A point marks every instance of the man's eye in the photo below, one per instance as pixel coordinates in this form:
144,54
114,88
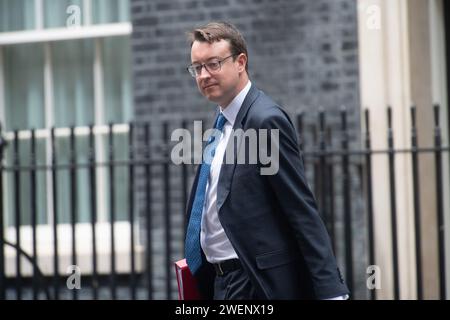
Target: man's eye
213,65
198,68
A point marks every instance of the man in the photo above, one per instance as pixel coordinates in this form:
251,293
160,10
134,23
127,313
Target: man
252,236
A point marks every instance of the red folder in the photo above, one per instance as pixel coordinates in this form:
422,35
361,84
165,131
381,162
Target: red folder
187,286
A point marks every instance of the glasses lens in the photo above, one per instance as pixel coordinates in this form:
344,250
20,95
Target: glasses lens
213,65
192,70
198,69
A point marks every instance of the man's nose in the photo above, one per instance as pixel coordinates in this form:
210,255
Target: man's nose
204,73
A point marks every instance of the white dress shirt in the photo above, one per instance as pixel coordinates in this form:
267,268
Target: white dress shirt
214,241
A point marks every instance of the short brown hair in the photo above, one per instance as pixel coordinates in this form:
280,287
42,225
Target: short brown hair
216,31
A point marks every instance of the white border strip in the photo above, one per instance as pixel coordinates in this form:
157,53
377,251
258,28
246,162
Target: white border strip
61,34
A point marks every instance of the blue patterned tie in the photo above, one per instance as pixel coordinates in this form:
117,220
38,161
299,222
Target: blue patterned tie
192,245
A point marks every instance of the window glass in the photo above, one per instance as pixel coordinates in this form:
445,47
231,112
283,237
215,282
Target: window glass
73,84
117,79
16,15
110,11
24,88
58,13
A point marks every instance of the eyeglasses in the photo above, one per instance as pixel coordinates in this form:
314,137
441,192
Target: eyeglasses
213,66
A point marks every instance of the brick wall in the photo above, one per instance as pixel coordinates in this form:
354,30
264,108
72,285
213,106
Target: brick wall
302,53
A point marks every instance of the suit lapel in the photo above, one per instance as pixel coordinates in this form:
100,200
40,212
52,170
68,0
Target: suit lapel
227,170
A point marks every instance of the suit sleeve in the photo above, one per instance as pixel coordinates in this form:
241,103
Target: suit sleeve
298,205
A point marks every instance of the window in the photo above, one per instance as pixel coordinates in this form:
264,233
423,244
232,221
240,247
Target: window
61,83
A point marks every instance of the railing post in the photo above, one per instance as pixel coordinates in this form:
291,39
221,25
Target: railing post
73,201
93,204
112,209
391,160
439,202
18,208
300,130
167,207
148,212
184,178
131,210
323,208
416,192
55,216
346,185
3,144
33,186
369,197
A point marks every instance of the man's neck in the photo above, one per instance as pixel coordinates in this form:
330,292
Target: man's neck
242,83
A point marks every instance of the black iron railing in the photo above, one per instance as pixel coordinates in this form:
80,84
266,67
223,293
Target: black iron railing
332,173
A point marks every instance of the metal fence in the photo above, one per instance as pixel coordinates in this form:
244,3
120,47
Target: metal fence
333,164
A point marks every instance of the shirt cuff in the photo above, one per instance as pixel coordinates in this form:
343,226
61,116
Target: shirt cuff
344,297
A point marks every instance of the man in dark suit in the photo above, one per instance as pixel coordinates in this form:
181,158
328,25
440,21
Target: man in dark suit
252,235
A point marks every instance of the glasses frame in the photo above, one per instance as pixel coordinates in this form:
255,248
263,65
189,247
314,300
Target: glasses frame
194,73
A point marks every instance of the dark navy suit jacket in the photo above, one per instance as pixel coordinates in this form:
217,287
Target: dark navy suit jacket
272,221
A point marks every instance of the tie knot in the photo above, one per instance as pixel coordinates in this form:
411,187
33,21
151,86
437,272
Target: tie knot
220,122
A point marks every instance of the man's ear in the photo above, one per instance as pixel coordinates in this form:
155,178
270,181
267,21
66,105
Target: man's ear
242,61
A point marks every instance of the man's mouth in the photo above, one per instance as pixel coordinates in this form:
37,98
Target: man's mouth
209,86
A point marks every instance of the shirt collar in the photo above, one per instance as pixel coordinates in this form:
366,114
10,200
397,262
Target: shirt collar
231,111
